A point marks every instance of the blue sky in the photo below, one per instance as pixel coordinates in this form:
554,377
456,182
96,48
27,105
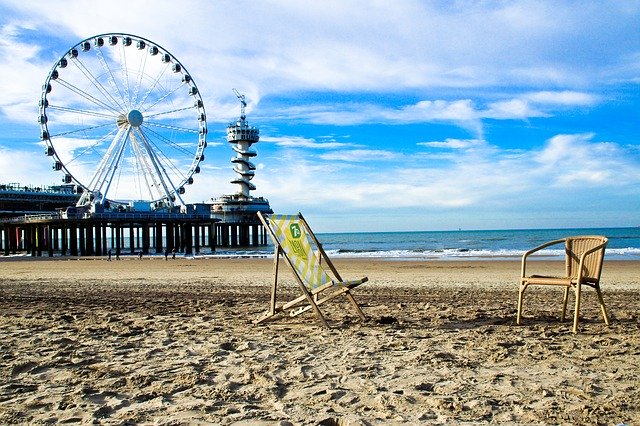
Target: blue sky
379,115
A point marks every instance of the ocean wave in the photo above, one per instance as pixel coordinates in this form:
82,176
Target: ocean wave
628,253
463,253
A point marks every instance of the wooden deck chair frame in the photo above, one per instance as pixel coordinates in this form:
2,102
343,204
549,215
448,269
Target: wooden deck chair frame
311,298
584,256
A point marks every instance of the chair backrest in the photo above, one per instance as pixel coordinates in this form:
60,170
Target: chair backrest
293,238
592,266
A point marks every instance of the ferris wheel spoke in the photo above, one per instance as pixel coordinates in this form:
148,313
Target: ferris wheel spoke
125,73
143,166
87,96
83,112
170,143
95,82
160,172
163,162
91,147
161,155
105,171
140,76
170,127
111,80
153,86
112,161
161,98
81,130
171,111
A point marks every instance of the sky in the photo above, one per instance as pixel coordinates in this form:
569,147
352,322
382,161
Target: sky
379,115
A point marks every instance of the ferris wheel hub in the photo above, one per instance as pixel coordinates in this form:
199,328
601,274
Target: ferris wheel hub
135,118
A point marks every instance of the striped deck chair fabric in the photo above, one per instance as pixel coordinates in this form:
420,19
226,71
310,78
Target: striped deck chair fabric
297,244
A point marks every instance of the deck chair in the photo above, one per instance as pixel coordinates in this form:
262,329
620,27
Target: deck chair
584,256
297,244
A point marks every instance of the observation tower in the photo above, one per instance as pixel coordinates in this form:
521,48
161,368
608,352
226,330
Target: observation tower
242,136
239,224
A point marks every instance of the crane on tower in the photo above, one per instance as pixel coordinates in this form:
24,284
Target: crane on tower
243,103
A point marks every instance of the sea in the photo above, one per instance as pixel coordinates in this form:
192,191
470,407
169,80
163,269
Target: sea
624,244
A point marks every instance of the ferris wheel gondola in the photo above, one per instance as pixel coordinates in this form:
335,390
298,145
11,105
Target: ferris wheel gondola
124,120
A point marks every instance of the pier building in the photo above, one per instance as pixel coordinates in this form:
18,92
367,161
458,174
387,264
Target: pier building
18,200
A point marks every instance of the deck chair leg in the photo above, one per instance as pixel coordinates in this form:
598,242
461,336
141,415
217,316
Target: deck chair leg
317,311
603,308
276,258
312,303
520,300
355,306
576,314
564,303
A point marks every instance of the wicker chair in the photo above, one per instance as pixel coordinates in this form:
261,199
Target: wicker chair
583,264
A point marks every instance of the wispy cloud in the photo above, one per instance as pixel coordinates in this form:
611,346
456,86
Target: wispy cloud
564,98
302,142
360,155
454,144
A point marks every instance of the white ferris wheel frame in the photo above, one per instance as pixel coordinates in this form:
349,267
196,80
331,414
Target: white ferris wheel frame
120,115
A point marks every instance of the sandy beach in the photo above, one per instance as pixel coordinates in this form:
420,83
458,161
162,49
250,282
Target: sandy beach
172,342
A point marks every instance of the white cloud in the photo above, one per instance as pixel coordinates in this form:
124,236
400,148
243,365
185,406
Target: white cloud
511,109
302,142
360,155
21,75
26,167
343,114
575,160
565,98
454,144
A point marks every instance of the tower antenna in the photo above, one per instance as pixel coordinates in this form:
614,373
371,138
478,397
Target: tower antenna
243,103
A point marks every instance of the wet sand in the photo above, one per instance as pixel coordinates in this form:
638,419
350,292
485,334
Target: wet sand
172,342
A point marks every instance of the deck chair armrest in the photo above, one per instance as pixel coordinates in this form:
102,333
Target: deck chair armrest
352,283
335,284
535,249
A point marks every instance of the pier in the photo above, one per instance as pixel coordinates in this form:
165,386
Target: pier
124,233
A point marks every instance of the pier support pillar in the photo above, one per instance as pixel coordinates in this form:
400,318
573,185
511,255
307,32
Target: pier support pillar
64,246
158,237
145,238
98,239
132,238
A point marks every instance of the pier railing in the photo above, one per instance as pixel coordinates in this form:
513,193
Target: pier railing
108,216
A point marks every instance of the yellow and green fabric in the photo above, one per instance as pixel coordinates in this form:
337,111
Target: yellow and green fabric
297,245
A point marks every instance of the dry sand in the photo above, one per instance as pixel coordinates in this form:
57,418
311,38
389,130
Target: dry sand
171,342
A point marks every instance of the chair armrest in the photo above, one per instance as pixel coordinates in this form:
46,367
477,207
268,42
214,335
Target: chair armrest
533,250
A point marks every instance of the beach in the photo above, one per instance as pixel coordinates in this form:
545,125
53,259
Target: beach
157,341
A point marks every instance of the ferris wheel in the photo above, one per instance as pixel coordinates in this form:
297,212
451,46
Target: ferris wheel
123,119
